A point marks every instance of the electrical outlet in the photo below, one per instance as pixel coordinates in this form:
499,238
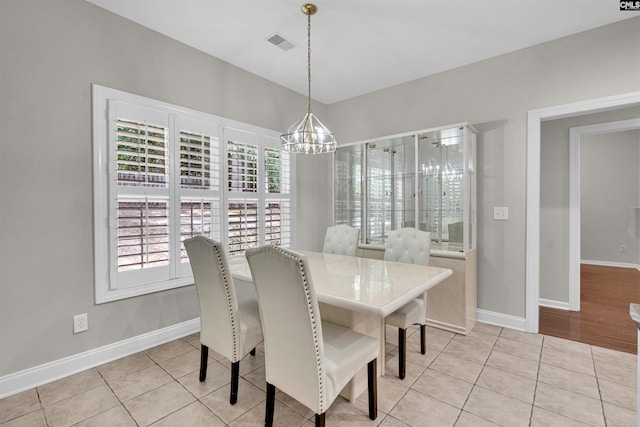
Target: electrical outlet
623,248
500,214
80,323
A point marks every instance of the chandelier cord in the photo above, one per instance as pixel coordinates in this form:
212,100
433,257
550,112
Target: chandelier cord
309,61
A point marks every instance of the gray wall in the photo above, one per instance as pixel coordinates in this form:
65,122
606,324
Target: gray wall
609,185
50,54
495,95
554,198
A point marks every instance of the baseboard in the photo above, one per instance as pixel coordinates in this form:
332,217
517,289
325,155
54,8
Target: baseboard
499,319
51,371
560,305
610,264
446,326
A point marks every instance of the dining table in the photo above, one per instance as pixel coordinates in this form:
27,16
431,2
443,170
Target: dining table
359,293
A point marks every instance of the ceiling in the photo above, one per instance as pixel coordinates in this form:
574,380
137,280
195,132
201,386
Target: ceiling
360,46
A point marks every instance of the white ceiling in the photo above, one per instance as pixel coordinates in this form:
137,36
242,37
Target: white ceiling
359,46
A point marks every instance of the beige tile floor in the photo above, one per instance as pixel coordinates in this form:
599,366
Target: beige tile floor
493,376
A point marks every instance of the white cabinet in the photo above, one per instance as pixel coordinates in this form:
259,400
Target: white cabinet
451,305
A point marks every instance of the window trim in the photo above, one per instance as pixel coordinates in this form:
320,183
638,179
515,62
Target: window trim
103,189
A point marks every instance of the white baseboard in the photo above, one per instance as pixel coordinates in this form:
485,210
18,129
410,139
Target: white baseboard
499,319
446,327
51,371
560,305
610,264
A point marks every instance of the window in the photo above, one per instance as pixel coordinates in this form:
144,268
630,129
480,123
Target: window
259,212
159,179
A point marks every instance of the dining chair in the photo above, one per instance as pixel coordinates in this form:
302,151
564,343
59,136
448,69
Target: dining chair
411,246
456,231
306,358
341,240
229,325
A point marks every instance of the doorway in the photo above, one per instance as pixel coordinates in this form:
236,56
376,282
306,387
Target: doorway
589,178
609,147
535,117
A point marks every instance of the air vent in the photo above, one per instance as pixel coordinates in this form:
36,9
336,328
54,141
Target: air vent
281,42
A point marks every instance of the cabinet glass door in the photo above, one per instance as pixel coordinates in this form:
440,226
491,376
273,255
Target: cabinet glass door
441,166
390,180
348,186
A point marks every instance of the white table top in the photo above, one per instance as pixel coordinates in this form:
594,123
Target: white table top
361,284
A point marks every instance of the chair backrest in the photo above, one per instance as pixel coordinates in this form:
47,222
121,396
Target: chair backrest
456,231
220,327
341,240
292,331
408,245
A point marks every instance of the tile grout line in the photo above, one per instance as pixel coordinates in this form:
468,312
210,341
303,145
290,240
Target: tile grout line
593,361
175,380
388,414
535,388
475,384
44,413
117,398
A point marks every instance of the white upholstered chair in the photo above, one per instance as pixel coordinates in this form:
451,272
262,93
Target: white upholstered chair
411,246
306,358
229,326
456,231
341,240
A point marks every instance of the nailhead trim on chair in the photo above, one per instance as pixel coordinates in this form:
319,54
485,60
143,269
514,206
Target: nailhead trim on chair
314,326
225,278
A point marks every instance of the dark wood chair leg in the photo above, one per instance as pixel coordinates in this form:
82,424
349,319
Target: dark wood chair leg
402,349
204,355
253,352
423,339
235,377
372,383
271,401
320,420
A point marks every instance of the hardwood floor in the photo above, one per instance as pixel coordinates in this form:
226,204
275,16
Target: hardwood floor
603,319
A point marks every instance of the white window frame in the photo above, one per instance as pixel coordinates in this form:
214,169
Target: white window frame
105,189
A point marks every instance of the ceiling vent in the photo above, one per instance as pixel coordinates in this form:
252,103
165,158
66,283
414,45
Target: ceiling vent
281,42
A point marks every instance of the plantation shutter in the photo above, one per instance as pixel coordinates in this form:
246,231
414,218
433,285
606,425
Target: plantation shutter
242,167
140,205
243,226
277,193
243,207
199,171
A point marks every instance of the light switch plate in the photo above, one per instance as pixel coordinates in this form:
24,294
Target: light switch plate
500,213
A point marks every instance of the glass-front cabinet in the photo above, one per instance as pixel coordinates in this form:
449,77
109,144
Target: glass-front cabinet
447,186
375,186
424,179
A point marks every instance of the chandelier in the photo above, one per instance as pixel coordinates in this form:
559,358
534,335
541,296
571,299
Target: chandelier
308,135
